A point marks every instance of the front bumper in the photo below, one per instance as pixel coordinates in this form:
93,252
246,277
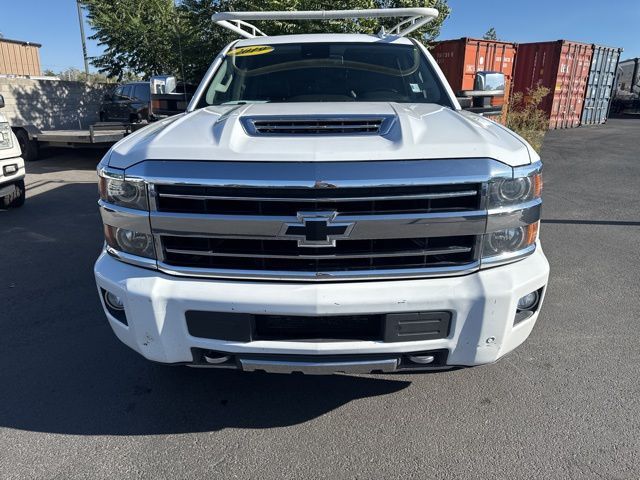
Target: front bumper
483,307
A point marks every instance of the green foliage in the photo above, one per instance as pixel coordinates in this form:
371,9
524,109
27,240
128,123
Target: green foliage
139,36
526,118
491,34
146,36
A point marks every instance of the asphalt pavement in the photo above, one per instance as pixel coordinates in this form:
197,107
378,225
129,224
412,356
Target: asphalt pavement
75,403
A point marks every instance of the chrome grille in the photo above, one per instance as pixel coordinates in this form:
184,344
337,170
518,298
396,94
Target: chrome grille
287,125
347,255
346,201
319,221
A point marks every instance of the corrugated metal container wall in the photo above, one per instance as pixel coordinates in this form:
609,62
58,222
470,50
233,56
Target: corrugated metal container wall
19,58
563,67
460,60
602,76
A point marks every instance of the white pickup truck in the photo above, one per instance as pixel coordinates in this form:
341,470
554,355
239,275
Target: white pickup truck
324,205
12,172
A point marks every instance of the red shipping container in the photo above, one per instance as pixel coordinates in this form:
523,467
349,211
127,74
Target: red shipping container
561,66
460,60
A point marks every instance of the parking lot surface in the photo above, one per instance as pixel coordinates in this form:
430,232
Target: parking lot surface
75,403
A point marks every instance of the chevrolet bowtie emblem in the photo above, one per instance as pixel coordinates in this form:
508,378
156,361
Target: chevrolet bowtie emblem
316,229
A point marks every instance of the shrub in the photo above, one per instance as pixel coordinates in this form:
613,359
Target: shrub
525,118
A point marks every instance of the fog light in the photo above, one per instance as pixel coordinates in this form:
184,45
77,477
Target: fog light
529,301
113,301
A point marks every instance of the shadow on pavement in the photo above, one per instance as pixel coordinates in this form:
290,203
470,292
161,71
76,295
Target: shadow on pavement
64,159
63,371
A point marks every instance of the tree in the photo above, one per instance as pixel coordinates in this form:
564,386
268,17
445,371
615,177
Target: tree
491,34
150,37
139,36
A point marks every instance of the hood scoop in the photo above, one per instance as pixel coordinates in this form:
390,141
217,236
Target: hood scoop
318,125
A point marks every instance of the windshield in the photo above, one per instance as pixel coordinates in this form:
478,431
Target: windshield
325,72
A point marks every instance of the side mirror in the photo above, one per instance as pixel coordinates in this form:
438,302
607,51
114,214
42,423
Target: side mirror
1,101
489,81
163,84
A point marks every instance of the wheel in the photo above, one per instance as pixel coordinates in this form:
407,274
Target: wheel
15,199
29,147
104,117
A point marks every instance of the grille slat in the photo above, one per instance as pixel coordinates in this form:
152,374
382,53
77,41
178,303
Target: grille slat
289,201
241,251
427,196
401,253
205,252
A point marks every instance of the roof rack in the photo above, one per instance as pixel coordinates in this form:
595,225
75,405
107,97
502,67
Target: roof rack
414,18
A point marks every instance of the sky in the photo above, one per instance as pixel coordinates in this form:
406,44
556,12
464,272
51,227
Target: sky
54,24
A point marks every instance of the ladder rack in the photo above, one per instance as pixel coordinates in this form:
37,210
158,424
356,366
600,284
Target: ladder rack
413,18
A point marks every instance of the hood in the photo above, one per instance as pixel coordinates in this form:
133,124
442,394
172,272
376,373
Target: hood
418,131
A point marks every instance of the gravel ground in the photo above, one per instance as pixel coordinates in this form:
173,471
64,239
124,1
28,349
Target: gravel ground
75,403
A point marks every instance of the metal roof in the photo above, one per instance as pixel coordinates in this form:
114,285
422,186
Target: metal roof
20,42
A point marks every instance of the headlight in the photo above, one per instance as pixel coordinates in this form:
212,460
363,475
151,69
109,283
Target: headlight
125,193
5,136
505,192
128,241
510,240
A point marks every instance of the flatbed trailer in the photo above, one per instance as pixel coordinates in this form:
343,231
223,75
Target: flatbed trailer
165,101
72,138
98,135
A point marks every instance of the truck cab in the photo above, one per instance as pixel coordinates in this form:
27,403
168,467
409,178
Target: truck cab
324,205
12,171
128,102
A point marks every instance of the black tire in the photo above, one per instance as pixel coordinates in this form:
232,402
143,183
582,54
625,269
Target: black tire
30,150
103,117
15,199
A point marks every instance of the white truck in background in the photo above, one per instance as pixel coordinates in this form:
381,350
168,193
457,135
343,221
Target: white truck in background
12,172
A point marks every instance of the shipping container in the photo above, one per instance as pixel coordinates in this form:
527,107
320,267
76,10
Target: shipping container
602,76
563,67
460,59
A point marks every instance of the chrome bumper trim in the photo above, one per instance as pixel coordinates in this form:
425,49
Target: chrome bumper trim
354,275
132,259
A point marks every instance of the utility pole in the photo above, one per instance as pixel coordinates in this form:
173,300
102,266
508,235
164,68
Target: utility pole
84,41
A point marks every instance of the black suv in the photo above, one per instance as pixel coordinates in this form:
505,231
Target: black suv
127,103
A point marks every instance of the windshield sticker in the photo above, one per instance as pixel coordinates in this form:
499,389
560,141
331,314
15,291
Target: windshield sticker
248,51
415,88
